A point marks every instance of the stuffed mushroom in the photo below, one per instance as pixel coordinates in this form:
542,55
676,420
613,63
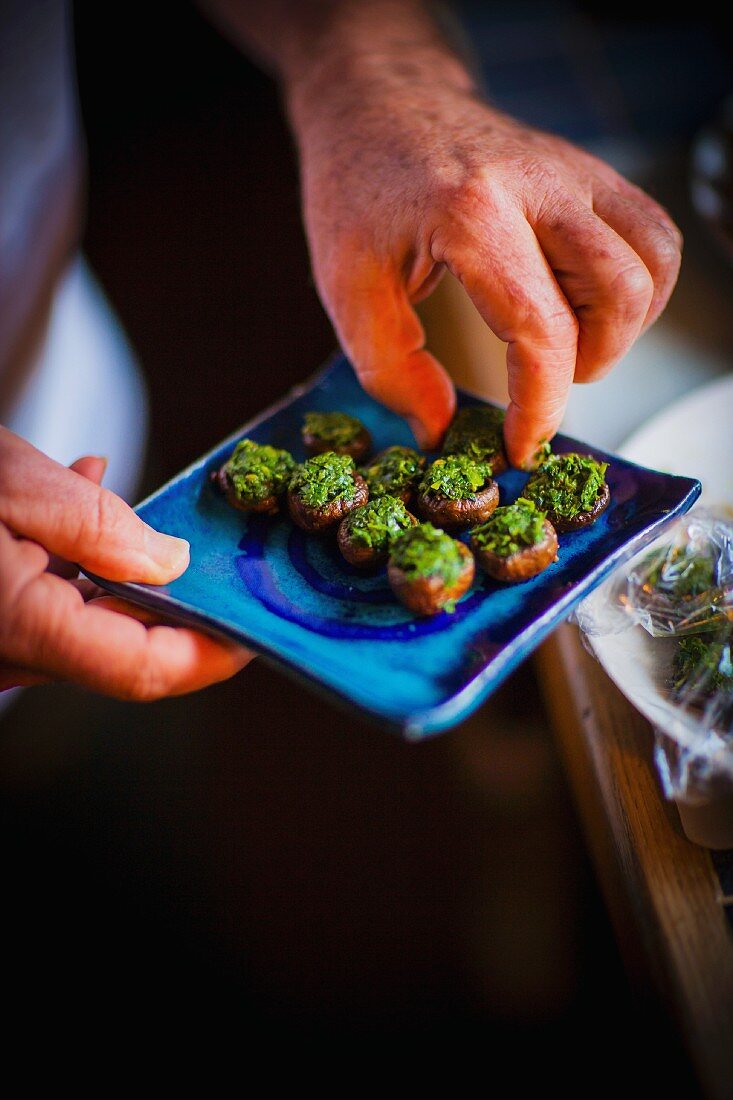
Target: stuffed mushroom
395,472
255,476
478,432
457,491
571,489
337,432
516,542
428,570
323,490
365,535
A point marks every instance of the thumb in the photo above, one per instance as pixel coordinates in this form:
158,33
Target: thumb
384,340
75,519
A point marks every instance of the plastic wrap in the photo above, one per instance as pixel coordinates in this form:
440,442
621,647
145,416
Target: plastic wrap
685,586
663,629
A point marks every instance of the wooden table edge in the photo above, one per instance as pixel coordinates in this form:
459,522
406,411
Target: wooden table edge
660,888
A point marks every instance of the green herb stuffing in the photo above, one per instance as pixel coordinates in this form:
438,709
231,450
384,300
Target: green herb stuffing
425,551
323,479
477,431
542,453
680,572
376,523
335,428
257,471
565,485
456,476
394,471
702,667
511,528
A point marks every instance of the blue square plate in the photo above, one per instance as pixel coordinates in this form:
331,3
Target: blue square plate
293,598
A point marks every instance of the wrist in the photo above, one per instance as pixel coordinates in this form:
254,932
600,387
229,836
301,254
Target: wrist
368,53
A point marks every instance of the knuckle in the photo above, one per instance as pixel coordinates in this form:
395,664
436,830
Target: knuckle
440,243
477,197
385,384
561,325
46,621
632,287
38,619
478,190
26,562
369,378
534,395
473,219
669,230
152,675
553,328
668,251
666,237
100,522
32,558
146,684
538,179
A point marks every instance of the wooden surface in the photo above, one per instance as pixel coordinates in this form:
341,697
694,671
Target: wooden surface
660,888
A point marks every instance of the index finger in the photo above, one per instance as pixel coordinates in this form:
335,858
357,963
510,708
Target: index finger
511,284
79,521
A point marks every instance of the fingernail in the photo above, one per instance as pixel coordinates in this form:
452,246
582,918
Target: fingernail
422,436
528,464
536,457
167,551
98,468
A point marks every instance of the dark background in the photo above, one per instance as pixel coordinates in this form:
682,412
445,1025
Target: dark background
251,862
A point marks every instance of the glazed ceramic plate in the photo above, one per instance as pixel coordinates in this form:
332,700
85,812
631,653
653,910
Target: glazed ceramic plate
293,598
693,434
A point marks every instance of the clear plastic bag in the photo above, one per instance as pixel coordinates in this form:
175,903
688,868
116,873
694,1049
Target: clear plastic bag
685,586
663,629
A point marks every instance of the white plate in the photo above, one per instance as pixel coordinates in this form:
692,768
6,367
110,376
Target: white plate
694,437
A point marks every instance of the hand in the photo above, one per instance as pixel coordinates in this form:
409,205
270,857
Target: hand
406,172
51,517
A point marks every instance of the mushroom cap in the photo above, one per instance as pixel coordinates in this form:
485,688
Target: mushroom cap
363,557
456,514
428,595
522,564
220,480
582,519
358,448
407,493
319,519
